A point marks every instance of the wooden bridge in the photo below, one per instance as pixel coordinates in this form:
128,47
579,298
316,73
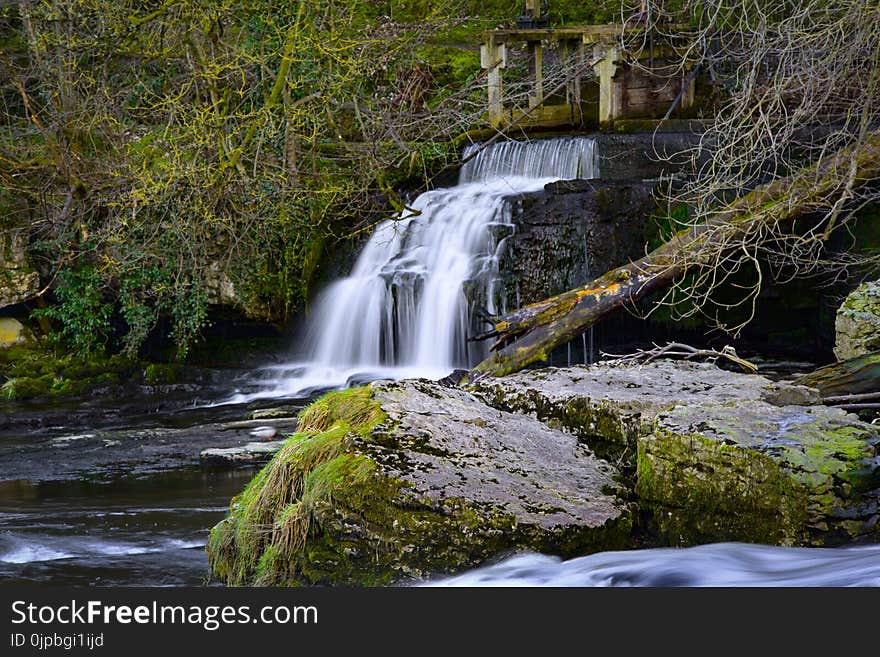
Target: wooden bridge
598,85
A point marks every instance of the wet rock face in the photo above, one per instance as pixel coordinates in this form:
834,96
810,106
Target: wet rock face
18,282
435,482
646,155
248,454
716,455
571,232
857,325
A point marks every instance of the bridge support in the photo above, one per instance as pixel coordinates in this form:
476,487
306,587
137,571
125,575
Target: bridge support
610,100
493,58
620,90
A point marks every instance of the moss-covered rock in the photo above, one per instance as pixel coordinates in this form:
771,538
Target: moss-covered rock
402,480
35,370
715,455
788,475
857,325
157,373
609,406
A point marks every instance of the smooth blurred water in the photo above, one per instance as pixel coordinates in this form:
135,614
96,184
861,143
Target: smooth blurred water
145,531
408,306
720,564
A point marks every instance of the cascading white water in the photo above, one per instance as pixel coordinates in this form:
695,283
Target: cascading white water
719,564
408,305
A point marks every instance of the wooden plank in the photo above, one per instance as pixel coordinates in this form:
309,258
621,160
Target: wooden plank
554,34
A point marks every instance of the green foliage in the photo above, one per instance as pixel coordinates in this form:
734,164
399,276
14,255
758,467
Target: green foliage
143,297
82,310
191,141
189,314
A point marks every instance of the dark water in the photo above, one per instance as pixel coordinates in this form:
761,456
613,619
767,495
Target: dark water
109,490
140,530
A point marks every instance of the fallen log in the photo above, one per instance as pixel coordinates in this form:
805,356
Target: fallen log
528,334
853,380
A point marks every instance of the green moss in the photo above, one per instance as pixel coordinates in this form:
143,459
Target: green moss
797,488
701,490
36,370
834,463
156,373
263,538
323,511
27,387
609,433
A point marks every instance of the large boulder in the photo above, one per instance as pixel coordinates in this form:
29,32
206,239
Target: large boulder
398,481
857,324
785,475
716,455
610,406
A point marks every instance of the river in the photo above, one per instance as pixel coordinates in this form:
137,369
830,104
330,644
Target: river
109,491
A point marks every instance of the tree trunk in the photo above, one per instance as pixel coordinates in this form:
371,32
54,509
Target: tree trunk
854,379
540,327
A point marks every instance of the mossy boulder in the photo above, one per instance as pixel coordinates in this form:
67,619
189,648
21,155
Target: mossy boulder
399,481
33,369
610,405
785,475
857,325
715,455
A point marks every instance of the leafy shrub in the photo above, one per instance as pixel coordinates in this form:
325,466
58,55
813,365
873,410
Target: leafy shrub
82,311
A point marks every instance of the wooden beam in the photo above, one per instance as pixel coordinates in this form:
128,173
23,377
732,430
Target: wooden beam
606,69
493,58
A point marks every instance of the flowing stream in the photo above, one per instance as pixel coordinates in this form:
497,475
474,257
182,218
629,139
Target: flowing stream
109,490
718,564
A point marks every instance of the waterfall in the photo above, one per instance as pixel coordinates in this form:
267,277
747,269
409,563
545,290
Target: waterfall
407,308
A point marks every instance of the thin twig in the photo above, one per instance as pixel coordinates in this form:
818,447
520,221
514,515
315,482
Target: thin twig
685,351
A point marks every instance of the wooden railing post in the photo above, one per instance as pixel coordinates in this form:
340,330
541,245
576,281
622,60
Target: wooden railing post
609,101
493,58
